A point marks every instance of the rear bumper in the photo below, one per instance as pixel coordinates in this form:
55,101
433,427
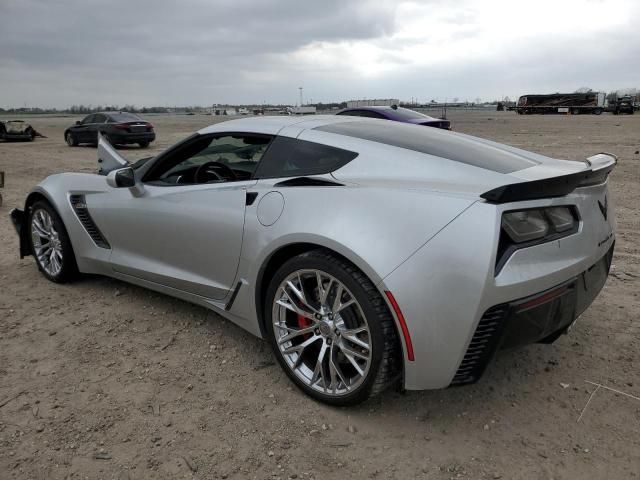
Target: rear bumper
446,287
542,317
17,136
124,138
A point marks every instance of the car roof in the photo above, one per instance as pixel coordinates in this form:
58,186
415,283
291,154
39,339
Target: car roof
273,124
372,107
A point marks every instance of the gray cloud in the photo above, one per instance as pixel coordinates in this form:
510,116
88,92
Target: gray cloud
163,52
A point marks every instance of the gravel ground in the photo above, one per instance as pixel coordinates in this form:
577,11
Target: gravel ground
100,379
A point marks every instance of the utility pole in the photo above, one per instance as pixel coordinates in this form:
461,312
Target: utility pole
300,88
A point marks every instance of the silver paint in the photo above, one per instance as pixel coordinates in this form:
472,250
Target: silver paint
413,223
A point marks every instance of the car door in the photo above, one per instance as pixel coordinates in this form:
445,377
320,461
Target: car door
96,125
183,232
82,131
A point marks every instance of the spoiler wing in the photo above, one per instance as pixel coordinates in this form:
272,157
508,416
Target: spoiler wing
600,165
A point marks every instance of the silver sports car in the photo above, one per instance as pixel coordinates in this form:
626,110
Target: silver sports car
368,253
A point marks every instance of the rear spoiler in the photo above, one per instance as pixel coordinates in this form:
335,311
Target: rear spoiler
600,165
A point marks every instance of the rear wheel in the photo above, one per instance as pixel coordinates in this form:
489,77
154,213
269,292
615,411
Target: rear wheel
50,244
597,111
71,139
331,330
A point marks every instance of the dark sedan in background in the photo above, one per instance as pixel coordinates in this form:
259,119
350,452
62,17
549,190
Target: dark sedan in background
120,128
397,114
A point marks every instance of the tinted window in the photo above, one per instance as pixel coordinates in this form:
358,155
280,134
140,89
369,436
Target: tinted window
372,114
351,113
99,118
434,141
288,157
362,113
88,119
406,114
124,117
231,157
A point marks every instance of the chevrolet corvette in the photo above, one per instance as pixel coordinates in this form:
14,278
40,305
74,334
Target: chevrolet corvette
367,253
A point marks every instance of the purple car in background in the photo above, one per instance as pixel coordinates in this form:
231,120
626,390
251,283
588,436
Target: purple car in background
397,114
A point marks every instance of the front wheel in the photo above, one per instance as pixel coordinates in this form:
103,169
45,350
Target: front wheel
71,139
50,244
331,330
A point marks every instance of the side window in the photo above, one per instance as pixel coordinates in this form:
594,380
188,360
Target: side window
288,157
352,113
211,159
370,114
99,118
88,119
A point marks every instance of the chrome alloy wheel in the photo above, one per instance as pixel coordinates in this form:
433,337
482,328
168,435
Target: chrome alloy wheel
46,243
321,332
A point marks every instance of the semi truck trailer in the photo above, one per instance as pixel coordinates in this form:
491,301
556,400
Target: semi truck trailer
573,103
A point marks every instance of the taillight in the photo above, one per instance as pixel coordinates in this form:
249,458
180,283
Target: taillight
536,223
121,126
149,127
532,226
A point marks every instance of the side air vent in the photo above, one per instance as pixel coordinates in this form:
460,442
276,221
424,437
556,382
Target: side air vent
482,346
80,207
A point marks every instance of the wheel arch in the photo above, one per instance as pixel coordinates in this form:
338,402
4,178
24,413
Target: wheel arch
280,255
33,197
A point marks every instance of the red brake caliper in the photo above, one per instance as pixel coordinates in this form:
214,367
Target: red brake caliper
303,322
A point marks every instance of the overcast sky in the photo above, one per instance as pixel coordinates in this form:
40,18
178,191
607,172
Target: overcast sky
165,53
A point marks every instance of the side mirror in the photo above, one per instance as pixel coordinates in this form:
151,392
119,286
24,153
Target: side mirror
77,122
122,178
125,178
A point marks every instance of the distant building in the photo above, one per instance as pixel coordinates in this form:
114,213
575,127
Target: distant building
374,102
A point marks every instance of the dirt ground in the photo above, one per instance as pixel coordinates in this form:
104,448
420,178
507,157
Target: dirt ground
103,380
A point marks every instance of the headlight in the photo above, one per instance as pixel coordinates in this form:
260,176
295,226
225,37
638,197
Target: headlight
528,225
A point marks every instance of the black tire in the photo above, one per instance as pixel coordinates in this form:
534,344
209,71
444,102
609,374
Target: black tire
71,139
597,111
385,368
143,144
575,111
69,270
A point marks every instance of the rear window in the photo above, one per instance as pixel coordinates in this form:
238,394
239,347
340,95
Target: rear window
288,157
434,141
406,114
124,117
